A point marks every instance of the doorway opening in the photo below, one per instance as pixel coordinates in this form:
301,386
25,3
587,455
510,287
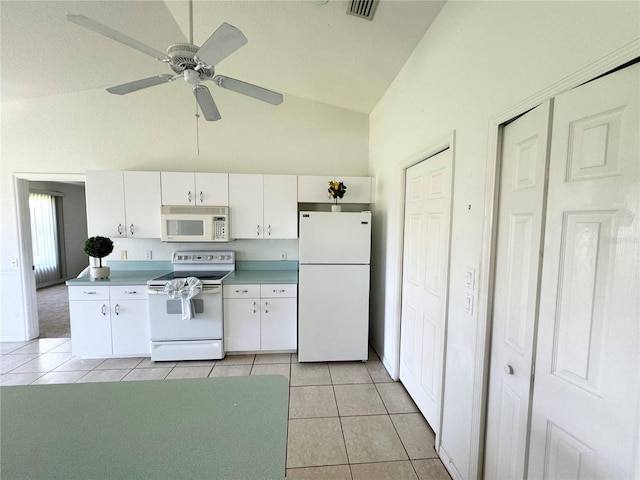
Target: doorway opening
52,230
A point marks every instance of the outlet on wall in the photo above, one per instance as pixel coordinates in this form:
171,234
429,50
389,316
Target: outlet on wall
123,254
283,255
147,255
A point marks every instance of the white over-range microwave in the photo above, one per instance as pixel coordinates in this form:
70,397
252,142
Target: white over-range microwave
195,224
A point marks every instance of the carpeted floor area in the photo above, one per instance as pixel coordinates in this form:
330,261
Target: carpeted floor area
53,312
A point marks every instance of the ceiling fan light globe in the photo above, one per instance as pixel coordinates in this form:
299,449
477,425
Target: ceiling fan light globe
192,77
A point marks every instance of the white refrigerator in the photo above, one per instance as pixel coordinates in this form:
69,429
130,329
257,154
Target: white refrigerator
333,296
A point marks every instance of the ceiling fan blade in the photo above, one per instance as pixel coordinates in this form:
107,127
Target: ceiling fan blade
222,43
248,89
97,27
139,84
206,103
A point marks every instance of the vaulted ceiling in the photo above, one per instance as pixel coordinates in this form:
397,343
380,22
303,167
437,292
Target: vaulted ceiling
307,48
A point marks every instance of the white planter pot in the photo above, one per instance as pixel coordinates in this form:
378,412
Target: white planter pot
100,273
336,208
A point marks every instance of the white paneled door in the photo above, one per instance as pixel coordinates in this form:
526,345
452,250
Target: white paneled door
585,418
425,282
515,304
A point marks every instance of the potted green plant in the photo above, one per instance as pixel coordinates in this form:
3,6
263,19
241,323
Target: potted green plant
98,247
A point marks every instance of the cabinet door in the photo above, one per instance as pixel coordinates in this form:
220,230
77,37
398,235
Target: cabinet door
241,324
130,327
105,204
212,189
178,188
142,204
278,328
280,206
90,328
314,189
245,206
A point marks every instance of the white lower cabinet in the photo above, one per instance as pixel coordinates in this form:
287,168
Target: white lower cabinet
260,317
109,321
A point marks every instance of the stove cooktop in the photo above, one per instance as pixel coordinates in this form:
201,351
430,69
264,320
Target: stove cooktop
202,275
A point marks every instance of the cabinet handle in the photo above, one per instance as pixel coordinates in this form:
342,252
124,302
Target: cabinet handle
131,292
269,230
279,291
90,293
104,309
254,307
117,309
131,228
242,291
119,229
258,230
189,197
201,197
266,307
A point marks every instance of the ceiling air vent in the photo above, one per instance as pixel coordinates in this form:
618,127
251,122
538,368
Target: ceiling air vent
362,8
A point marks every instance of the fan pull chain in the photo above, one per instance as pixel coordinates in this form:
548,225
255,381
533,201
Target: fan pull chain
197,131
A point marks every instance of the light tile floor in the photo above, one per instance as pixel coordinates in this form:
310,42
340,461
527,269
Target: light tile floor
347,420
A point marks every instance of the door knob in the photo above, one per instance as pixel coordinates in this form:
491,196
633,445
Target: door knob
508,369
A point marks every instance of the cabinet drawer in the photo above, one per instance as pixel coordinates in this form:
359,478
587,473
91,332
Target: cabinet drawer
89,292
278,290
128,292
241,291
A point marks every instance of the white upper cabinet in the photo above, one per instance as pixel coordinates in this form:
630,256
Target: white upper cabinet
263,206
314,189
142,204
280,206
123,204
245,205
188,188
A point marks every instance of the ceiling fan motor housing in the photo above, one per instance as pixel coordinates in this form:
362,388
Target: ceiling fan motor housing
182,59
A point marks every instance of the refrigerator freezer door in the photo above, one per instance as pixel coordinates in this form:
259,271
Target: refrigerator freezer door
332,237
333,313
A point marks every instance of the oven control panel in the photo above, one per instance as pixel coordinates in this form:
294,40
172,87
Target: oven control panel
202,257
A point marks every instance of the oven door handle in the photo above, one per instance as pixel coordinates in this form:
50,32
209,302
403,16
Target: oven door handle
210,290
206,290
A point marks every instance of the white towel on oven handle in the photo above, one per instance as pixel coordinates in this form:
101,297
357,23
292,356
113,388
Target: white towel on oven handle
184,289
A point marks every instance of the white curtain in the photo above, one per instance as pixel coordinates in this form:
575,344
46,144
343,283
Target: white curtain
44,237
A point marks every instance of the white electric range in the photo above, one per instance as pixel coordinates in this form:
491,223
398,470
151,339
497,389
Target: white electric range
199,337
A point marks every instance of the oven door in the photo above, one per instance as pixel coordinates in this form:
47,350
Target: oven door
165,315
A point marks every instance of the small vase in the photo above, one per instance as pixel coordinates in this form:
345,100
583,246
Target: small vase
100,273
336,208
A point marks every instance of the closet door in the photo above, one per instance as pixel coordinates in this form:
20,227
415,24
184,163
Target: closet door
425,281
586,392
515,304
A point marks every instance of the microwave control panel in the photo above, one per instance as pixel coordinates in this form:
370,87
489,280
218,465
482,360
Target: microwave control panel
220,232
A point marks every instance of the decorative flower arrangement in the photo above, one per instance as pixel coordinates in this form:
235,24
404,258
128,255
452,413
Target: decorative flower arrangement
337,190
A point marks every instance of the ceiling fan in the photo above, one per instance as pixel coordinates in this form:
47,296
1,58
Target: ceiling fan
194,64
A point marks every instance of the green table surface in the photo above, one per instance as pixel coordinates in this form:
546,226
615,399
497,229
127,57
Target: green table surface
213,428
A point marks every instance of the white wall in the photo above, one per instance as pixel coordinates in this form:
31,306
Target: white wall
477,59
155,129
